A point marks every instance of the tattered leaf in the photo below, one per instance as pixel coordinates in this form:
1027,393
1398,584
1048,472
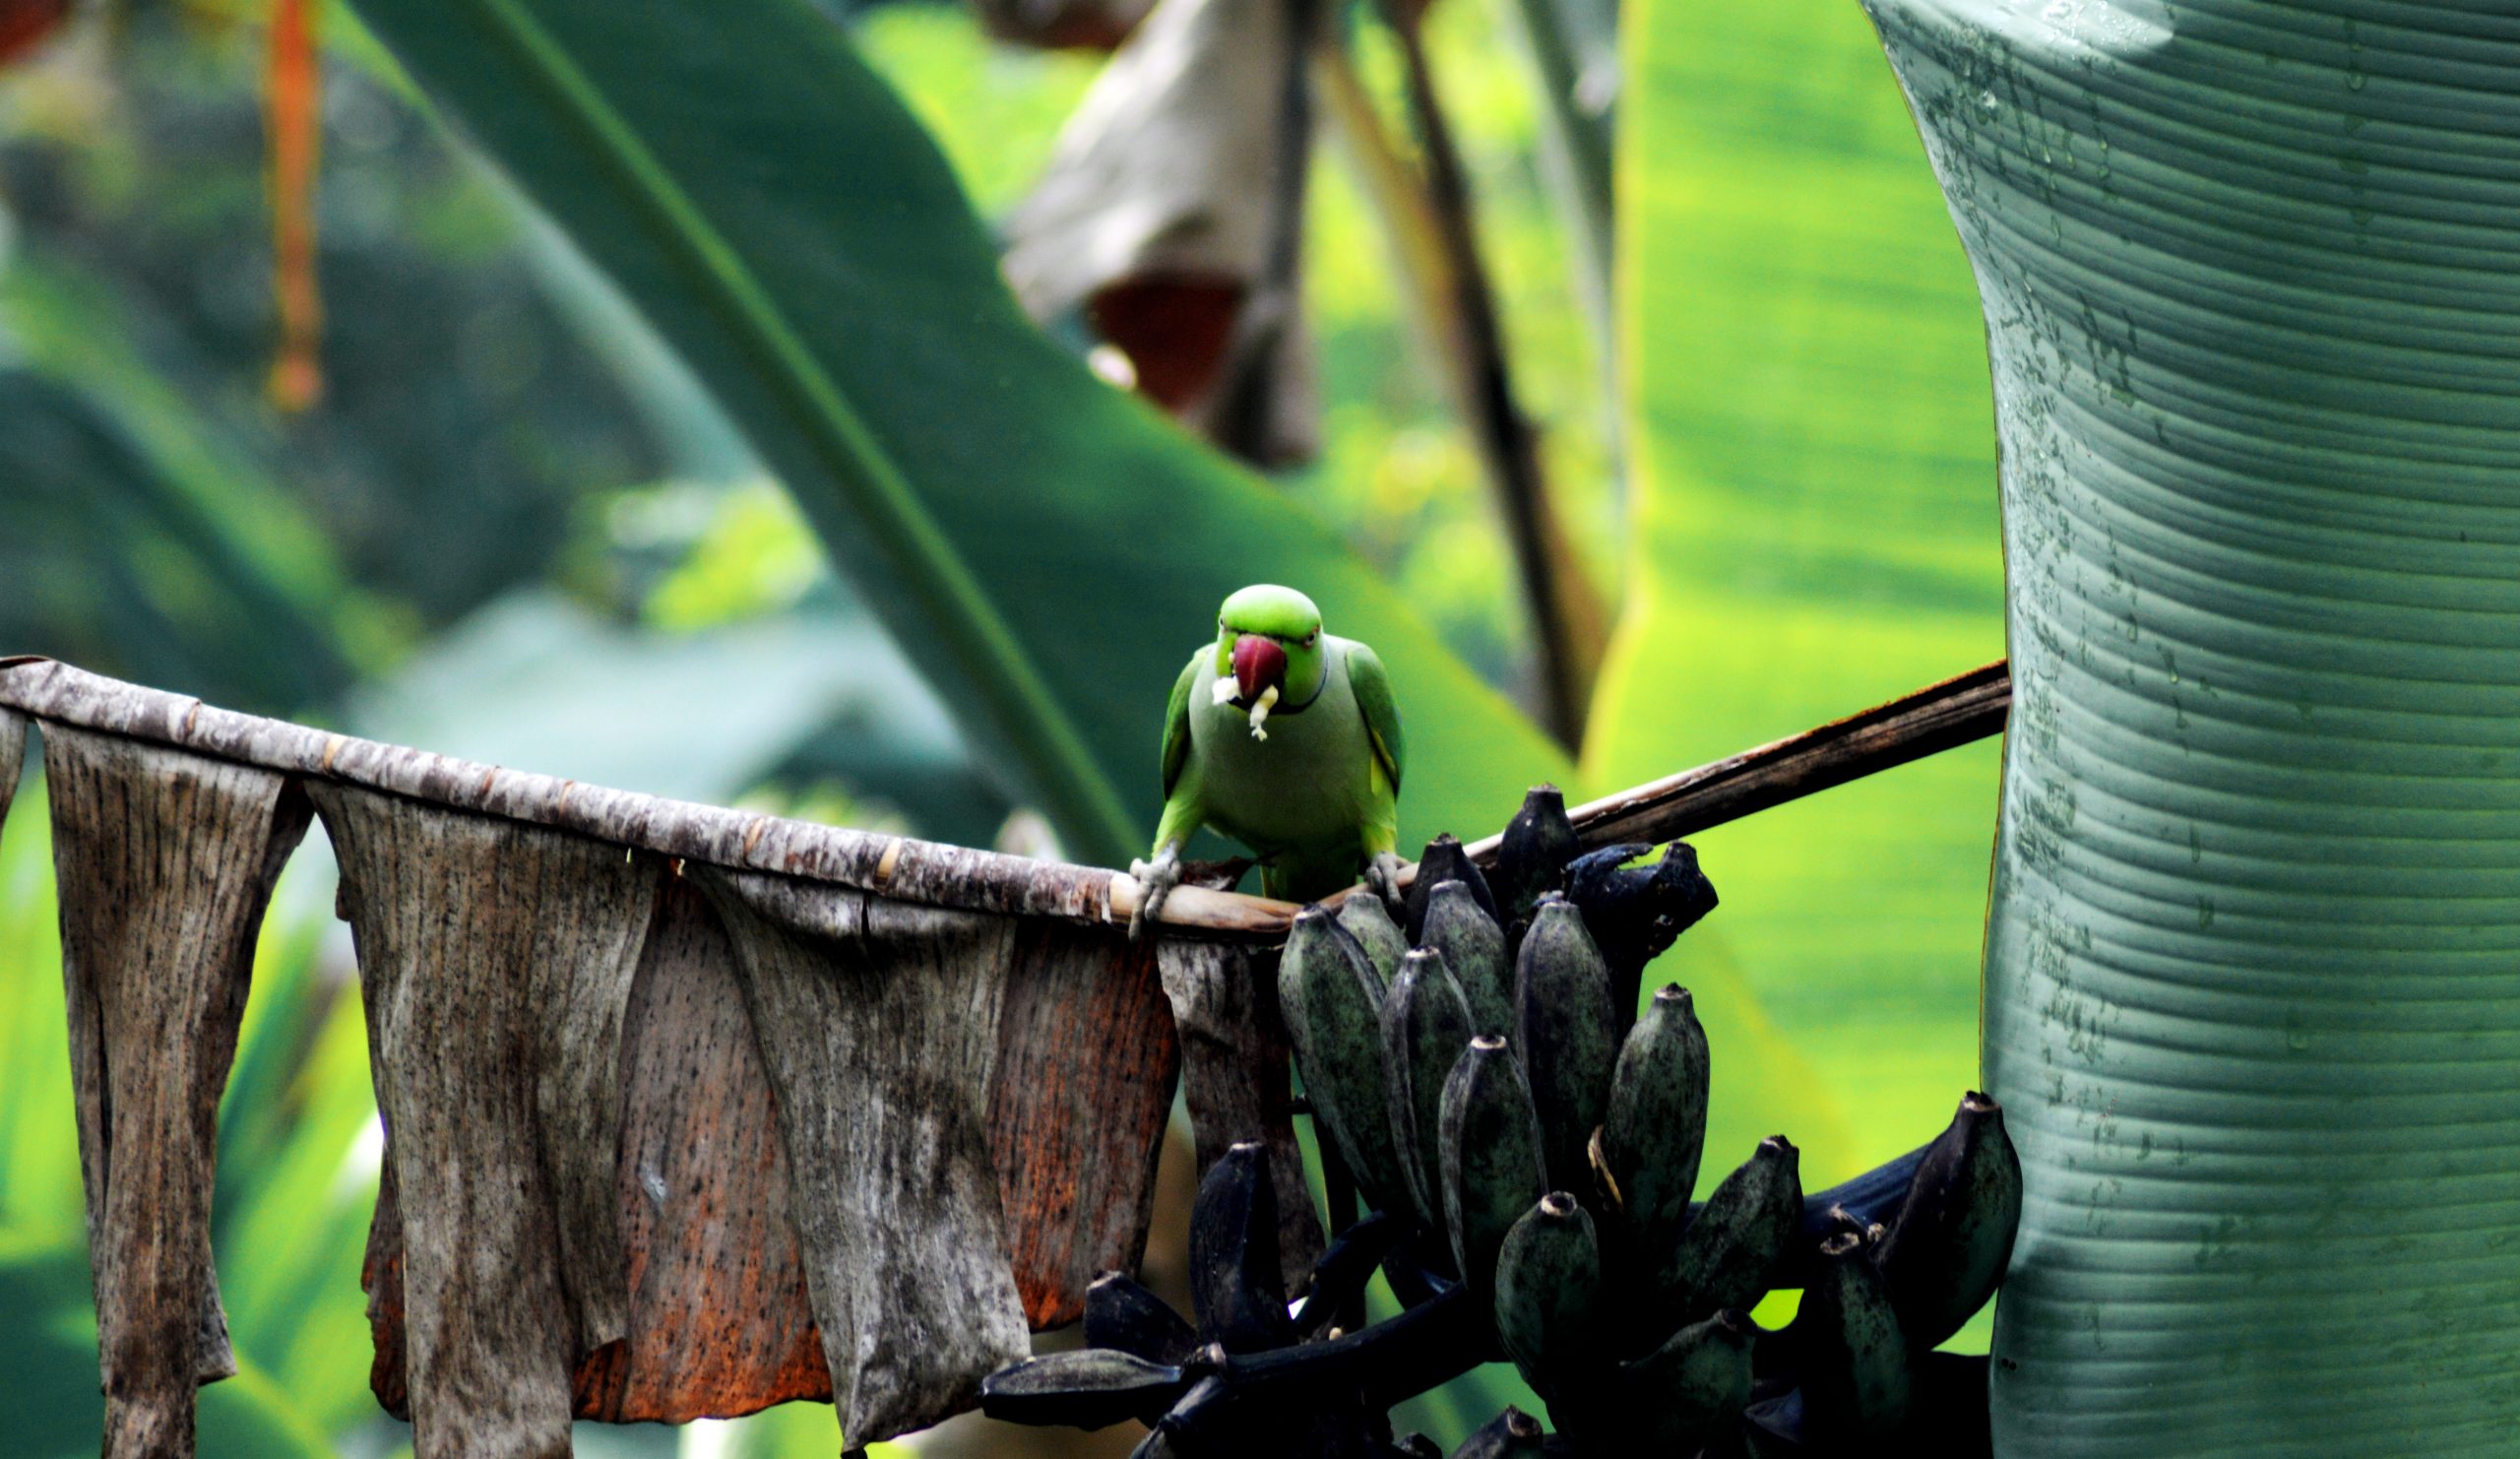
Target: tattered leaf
495,962
880,1031
165,863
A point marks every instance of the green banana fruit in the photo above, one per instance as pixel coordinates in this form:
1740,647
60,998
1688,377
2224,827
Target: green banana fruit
1727,1255
1548,1278
1089,1388
1511,1432
1443,860
1673,1399
1565,1030
1123,1314
1490,1143
1237,1292
1856,1382
1532,855
1369,922
1473,947
1654,1127
1946,1249
1425,1025
1332,999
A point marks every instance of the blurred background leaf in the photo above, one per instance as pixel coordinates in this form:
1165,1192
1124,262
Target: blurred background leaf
1814,531
1038,543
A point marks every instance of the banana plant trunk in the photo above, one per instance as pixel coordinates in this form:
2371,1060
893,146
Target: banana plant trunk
2251,278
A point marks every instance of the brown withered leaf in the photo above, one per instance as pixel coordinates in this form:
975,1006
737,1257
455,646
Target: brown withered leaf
1235,1062
496,963
12,750
165,863
879,1029
1165,213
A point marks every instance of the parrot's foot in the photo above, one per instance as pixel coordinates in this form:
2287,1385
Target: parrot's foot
1382,878
1156,880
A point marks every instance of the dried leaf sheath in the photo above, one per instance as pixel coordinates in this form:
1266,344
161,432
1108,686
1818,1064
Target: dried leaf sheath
1085,1060
495,962
719,1324
13,749
719,1320
878,1026
165,863
1233,1073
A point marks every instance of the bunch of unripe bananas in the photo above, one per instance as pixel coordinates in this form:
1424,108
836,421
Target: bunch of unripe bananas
1529,1147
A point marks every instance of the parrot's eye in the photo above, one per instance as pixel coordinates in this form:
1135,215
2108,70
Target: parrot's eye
1312,638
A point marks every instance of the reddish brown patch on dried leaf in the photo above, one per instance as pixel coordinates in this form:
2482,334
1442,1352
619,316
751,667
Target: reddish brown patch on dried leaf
719,1322
1086,1062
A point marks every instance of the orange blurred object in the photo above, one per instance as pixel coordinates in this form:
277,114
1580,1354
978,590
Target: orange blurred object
293,119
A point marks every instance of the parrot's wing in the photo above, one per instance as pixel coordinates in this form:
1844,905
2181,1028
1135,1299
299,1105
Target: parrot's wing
1372,688
1176,722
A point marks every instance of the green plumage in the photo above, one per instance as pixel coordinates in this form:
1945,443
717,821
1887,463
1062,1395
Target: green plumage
1319,796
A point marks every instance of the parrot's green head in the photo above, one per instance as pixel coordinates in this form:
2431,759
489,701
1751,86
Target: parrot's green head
1270,637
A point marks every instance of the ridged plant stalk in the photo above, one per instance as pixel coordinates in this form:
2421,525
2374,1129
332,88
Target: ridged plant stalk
2251,277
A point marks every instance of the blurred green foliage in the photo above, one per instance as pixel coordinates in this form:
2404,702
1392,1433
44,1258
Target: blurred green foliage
1816,530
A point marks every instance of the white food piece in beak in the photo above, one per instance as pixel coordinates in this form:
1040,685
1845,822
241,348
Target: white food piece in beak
1260,712
1223,689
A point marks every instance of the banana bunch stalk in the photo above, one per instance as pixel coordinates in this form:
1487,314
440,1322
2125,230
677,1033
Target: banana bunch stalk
1484,1075
1530,1147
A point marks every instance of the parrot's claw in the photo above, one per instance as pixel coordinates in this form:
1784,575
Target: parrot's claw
1156,880
1382,878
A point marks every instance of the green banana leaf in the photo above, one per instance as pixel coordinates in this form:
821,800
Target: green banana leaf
2251,281
119,559
1814,531
1046,550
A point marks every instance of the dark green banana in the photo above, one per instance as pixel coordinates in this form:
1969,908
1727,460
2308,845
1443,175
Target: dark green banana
1673,1399
1314,944
1857,1379
1728,1253
1473,947
1636,912
1564,1029
1548,1278
1425,1025
1532,855
1490,1142
1511,1432
1332,1001
1121,1313
1369,922
1235,1286
1088,1388
1654,1128
1443,860
1945,1252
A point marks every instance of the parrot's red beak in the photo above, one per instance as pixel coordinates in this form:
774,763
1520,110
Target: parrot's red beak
1258,664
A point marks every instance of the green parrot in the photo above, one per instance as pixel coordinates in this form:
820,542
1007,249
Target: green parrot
1286,739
